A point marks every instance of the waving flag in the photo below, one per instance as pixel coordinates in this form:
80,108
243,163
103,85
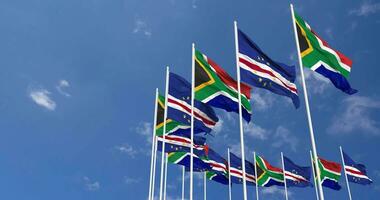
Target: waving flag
217,88
176,143
183,158
295,175
259,70
237,172
219,166
179,106
330,173
356,172
318,56
172,127
267,175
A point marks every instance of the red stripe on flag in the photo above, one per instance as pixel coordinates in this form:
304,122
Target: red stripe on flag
257,68
355,172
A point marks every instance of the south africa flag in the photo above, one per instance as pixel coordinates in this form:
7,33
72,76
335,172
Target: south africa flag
330,173
267,175
217,88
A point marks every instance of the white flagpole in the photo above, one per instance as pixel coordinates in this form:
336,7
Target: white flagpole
152,160
240,112
166,174
153,145
154,167
204,186
183,182
315,181
283,170
345,173
257,184
164,132
192,119
229,175
314,148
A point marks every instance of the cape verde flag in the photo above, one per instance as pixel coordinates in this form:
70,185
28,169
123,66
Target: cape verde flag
259,70
356,172
295,175
219,166
237,171
179,106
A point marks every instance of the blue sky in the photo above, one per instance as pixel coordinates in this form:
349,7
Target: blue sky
78,78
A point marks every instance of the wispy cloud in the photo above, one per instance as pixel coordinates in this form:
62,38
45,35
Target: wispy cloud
194,4
262,100
274,191
316,82
42,98
127,149
366,8
62,85
91,185
142,28
329,32
356,116
218,127
130,180
256,131
145,129
283,137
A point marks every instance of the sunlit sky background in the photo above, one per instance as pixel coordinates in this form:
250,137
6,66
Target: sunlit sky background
77,86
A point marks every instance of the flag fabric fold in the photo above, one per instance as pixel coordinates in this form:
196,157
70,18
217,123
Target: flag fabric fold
259,70
267,175
356,172
219,166
296,176
317,55
179,106
330,173
214,86
236,171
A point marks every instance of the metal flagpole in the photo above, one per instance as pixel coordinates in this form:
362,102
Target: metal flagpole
345,173
164,132
166,174
204,187
283,170
314,148
192,119
229,175
183,182
240,112
154,167
257,184
153,146
315,181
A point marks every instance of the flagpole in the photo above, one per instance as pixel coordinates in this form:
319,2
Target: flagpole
345,173
164,132
240,112
257,184
229,175
166,174
183,182
315,181
153,146
204,187
154,167
283,170
192,119
314,148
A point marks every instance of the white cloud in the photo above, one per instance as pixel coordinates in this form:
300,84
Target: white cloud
127,149
283,137
142,27
41,97
194,4
262,100
145,129
274,191
366,8
315,82
62,84
91,185
218,127
329,32
256,131
356,116
129,180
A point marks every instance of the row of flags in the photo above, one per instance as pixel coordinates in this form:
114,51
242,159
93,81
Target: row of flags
213,87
